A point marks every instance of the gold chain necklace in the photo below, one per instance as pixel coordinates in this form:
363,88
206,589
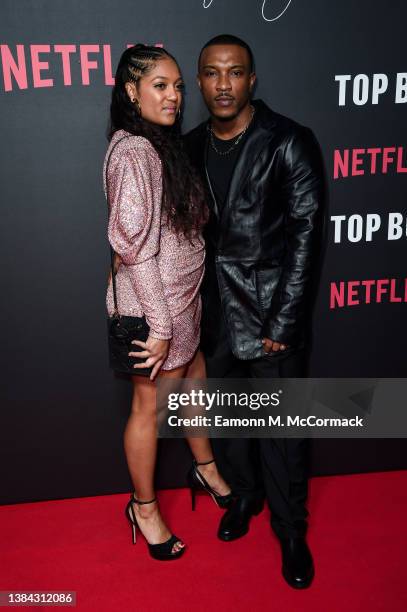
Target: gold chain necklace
238,139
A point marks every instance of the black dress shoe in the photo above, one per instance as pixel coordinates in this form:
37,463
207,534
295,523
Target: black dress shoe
298,567
235,522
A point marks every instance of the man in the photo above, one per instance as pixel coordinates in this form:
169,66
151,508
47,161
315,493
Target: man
265,179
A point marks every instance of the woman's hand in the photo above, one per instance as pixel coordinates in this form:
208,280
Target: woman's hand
155,351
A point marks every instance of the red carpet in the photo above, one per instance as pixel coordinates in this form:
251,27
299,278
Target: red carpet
357,534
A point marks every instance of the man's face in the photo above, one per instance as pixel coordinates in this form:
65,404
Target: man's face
225,80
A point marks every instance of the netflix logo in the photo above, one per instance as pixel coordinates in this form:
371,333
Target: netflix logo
37,66
369,161
358,292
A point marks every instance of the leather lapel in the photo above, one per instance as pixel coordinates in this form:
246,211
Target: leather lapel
244,164
251,149
258,136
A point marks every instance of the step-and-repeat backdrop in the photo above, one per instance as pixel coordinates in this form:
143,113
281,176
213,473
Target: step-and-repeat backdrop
338,67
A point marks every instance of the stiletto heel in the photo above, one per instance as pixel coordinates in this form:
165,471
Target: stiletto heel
134,530
197,482
163,551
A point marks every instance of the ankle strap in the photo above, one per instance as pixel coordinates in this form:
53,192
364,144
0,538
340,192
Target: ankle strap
138,501
204,462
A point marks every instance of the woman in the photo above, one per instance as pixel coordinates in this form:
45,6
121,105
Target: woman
157,210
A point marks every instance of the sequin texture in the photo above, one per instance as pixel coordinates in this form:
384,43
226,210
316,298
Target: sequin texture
161,272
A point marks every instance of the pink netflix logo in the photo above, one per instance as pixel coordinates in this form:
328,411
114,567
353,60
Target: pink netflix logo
29,66
373,160
358,292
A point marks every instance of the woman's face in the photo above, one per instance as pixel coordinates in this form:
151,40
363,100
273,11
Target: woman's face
159,93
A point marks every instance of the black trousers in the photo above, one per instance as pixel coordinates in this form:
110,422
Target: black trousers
275,468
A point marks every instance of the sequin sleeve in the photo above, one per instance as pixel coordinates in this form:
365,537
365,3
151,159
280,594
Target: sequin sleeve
134,197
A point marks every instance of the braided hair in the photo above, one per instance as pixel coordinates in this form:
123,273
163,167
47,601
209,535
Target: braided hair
184,197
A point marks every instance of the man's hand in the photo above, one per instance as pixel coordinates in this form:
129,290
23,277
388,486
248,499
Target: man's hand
155,351
117,261
270,345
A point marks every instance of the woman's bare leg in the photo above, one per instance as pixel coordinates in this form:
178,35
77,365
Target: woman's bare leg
140,444
201,447
140,438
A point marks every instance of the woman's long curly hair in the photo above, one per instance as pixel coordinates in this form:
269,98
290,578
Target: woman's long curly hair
184,197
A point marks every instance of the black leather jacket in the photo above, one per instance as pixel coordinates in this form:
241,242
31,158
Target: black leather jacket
260,249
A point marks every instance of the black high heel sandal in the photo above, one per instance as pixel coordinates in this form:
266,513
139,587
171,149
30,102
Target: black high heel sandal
163,551
198,483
